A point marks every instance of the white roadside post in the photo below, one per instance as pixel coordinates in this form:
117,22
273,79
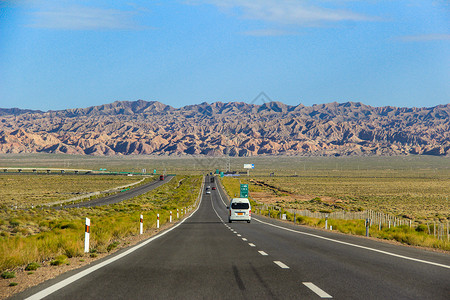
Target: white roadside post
326,221
141,225
157,220
87,229
170,219
178,213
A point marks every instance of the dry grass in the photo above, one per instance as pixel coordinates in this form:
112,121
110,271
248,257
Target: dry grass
37,235
27,190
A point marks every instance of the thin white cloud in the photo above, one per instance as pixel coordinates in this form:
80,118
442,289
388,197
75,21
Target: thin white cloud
268,32
287,12
84,18
425,38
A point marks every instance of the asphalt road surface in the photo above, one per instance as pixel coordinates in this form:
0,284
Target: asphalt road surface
205,257
121,196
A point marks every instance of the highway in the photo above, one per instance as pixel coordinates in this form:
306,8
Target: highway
205,257
121,196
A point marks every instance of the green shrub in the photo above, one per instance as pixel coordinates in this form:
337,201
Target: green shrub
59,260
7,275
14,222
112,246
32,266
13,284
422,228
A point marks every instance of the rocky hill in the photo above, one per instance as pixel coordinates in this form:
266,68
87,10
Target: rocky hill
236,128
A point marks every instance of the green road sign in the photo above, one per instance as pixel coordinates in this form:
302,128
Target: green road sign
217,171
221,174
244,190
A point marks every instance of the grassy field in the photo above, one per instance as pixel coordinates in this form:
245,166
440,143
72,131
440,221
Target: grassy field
35,235
423,199
27,190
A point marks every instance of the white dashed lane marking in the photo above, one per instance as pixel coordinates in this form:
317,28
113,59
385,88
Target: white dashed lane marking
263,253
280,264
239,235
244,239
251,245
321,293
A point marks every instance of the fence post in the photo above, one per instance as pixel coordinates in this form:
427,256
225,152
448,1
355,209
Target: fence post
367,227
87,230
141,225
157,220
434,228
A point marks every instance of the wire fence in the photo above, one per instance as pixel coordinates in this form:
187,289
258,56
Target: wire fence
438,229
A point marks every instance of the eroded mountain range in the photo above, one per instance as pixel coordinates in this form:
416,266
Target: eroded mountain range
235,129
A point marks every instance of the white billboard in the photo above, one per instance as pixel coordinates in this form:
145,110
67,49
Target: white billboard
249,166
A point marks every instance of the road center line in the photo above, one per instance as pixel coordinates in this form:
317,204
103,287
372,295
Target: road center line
357,246
251,245
280,264
263,253
321,293
244,239
239,235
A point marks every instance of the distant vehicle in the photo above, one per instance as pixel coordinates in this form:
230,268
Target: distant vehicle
161,177
208,187
239,210
208,192
212,179
214,188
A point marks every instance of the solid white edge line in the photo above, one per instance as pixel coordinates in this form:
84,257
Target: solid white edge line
57,286
280,264
262,253
357,246
321,293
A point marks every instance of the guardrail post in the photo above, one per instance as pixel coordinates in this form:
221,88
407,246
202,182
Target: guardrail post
157,220
170,219
87,229
141,225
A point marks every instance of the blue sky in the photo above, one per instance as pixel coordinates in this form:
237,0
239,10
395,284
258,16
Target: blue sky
58,54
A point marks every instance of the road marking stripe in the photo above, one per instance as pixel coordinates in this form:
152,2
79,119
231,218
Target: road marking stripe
239,235
357,246
59,285
280,264
251,245
244,239
263,253
321,293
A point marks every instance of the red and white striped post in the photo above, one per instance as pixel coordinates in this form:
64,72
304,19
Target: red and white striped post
157,220
178,213
87,230
170,219
141,225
